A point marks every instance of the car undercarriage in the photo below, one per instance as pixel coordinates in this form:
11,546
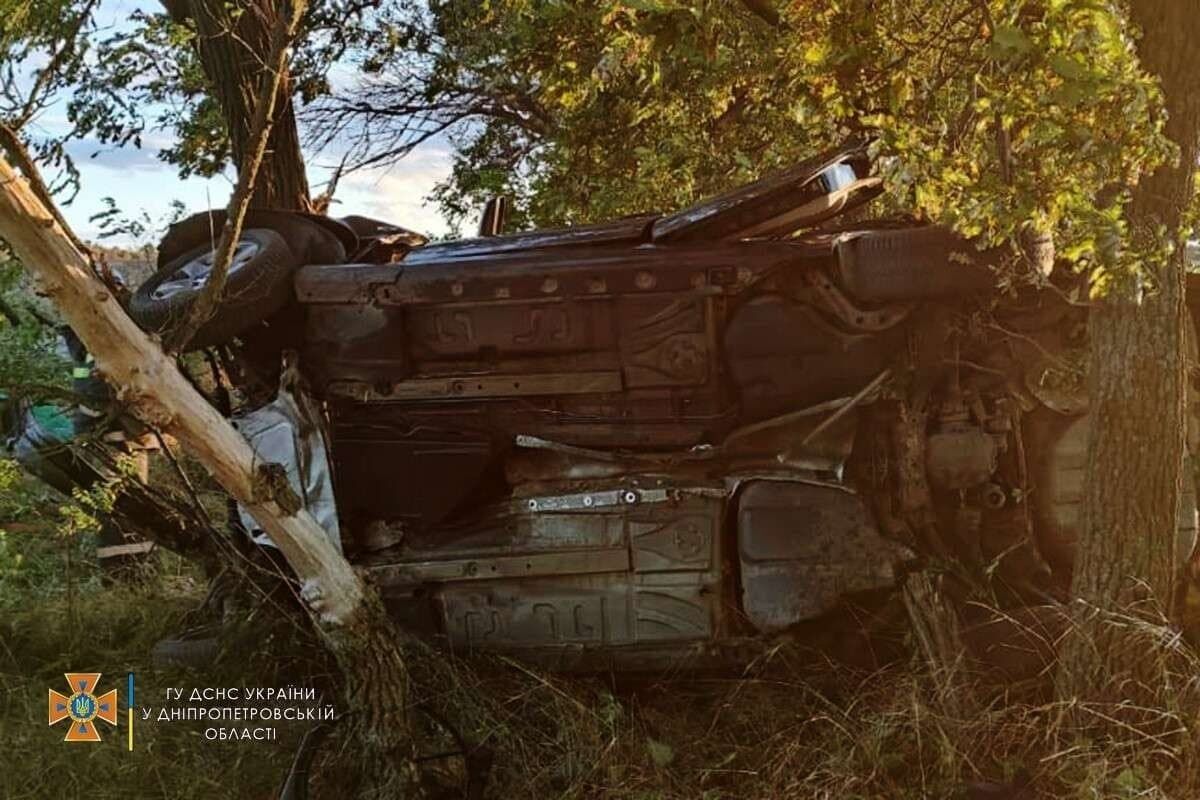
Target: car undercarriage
664,439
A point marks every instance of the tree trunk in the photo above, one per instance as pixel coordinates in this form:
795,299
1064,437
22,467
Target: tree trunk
262,125
1126,559
233,40
348,613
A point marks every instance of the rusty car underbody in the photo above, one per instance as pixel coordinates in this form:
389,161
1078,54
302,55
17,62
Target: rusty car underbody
670,437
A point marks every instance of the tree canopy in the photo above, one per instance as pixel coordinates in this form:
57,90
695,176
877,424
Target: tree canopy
988,116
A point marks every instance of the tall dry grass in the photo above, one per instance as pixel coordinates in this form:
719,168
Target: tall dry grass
932,724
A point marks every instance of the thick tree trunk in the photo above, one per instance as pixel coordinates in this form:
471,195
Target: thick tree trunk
348,613
1126,560
266,98
383,751
233,41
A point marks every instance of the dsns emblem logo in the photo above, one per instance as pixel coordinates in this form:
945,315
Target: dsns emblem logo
83,707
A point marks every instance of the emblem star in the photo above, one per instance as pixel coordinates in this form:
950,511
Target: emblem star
83,707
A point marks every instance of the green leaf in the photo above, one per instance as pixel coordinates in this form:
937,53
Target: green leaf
661,753
1010,37
1129,782
652,6
1068,67
816,53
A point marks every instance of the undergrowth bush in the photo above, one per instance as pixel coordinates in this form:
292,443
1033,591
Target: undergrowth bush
792,724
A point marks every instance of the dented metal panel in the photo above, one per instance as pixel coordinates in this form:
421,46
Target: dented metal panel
803,548
616,566
537,437
746,210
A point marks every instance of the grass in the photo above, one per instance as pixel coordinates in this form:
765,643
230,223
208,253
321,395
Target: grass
112,632
790,725
57,617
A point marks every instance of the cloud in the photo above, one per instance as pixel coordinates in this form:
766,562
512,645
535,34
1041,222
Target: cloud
120,159
398,194
139,181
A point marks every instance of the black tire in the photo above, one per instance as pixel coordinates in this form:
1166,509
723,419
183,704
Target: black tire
904,264
254,291
312,239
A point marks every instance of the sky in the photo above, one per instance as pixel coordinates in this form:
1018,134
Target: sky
139,182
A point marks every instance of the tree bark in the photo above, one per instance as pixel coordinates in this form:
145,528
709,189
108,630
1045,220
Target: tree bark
1125,567
283,34
233,40
348,613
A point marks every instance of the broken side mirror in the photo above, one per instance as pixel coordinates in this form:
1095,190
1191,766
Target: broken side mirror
495,216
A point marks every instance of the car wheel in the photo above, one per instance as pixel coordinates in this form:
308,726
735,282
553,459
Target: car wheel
312,240
259,283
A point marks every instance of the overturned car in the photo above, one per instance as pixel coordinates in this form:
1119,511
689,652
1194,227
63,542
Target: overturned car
663,437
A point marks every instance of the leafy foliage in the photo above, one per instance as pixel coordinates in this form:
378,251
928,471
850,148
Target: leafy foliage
582,111
992,117
27,346
141,227
47,51
152,69
147,75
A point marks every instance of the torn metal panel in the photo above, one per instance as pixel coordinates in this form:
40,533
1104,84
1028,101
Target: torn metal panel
281,433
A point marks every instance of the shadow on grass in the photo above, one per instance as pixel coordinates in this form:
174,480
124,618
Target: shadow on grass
790,725
112,631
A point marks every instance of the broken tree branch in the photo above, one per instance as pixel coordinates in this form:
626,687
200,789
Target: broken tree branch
151,386
282,35
349,614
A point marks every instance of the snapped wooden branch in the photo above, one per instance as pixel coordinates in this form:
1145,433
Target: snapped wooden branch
151,386
282,35
18,153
